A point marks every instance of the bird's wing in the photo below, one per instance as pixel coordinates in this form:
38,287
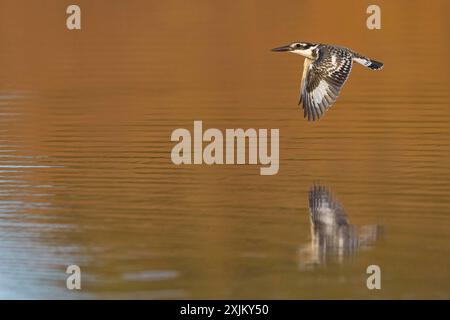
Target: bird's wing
306,65
324,208
322,81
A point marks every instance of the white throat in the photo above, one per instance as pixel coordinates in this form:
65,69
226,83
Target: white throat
308,53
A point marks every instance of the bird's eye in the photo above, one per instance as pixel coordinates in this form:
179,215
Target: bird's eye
298,45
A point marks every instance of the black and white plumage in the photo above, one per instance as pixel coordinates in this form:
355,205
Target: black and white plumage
333,238
324,209
325,70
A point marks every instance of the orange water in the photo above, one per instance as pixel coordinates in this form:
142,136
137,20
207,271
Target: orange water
85,170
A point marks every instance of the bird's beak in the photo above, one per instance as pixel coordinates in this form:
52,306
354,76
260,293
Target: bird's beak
280,49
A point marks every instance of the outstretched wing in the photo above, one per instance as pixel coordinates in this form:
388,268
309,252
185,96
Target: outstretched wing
323,79
324,208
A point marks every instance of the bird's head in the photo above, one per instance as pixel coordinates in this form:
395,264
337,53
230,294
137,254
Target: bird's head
304,49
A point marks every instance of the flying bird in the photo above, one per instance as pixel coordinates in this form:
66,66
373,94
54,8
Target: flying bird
325,70
333,238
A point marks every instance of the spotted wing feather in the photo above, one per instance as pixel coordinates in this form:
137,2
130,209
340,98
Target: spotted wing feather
324,208
323,81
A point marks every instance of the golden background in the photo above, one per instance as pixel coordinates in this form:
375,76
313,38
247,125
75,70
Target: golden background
85,170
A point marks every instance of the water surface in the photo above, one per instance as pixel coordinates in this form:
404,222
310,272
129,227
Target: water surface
86,176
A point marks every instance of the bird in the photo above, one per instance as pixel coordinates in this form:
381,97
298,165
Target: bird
325,70
333,238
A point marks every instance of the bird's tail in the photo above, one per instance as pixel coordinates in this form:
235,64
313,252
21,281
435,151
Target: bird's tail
369,63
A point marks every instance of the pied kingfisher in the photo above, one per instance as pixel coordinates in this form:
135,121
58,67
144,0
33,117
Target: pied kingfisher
333,238
325,70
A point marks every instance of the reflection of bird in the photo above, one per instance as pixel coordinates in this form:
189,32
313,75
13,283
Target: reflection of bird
332,237
325,70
